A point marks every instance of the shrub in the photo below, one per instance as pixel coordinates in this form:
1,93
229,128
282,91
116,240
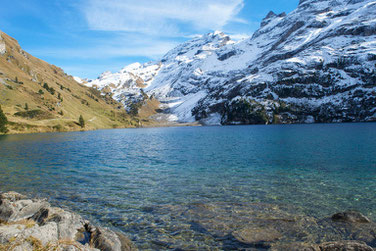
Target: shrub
52,91
49,89
81,121
39,114
3,122
134,108
58,127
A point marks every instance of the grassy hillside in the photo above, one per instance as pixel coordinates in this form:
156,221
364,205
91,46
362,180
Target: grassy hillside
39,97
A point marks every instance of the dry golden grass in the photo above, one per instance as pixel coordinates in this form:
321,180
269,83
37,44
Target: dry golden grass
150,108
37,244
21,78
26,223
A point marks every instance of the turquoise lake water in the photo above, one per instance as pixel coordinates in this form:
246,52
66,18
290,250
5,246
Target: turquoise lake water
123,178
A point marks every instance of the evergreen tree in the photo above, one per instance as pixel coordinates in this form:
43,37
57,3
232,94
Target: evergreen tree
81,121
26,106
3,122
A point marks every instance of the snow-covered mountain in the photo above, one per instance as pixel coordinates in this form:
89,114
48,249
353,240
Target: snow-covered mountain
316,64
126,86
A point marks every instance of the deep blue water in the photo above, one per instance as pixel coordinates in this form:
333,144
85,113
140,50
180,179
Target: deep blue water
111,176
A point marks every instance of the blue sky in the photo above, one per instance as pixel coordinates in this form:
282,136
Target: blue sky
87,37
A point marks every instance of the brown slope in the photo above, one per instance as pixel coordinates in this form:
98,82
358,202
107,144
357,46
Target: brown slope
22,76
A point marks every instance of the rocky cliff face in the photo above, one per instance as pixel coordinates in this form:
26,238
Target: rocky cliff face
316,64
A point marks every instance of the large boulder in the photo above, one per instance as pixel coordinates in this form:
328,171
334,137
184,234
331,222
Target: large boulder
33,224
106,240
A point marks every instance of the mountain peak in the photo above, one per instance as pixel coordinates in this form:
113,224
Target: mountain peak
215,35
131,67
270,16
190,49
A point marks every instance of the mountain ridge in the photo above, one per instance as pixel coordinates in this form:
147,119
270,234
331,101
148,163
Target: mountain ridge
315,64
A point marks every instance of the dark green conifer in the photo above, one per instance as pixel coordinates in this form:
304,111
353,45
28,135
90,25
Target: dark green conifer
3,122
81,121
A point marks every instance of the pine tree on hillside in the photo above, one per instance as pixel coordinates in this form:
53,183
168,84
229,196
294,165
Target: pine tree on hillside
3,122
81,121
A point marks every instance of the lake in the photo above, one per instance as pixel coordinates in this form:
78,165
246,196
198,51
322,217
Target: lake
169,187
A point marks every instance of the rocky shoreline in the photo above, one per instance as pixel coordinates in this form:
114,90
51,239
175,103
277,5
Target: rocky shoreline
33,224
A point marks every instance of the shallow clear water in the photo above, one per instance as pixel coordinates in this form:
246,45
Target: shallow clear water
118,177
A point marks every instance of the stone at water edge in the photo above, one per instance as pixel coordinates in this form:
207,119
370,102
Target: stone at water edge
24,220
351,217
107,240
12,196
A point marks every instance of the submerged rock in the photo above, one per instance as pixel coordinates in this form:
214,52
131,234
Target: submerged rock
351,217
345,246
33,224
257,235
252,226
327,246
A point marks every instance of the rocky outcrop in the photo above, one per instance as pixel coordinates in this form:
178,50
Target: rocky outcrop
33,224
3,49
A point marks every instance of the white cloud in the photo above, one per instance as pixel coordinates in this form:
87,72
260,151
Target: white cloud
161,17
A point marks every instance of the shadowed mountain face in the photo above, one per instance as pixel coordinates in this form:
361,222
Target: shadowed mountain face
39,97
316,64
